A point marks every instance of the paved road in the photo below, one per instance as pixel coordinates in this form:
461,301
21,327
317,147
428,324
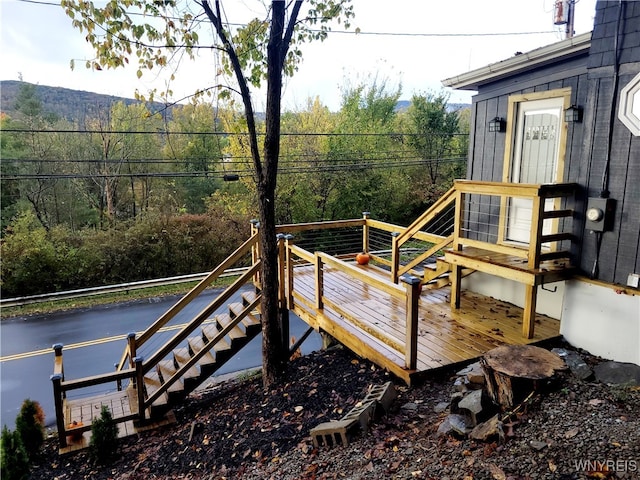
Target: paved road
94,340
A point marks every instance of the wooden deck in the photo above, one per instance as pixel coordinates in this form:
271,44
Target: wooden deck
123,407
372,322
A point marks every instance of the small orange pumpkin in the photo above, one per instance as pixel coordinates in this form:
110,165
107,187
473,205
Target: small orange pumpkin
75,436
363,258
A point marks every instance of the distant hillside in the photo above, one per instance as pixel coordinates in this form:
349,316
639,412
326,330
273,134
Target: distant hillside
77,105
402,105
73,105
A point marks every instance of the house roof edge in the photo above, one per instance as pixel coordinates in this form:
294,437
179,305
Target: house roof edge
472,79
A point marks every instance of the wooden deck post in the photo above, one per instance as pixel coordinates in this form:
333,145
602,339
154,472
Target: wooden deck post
319,274
456,271
282,296
58,395
529,314
395,257
537,211
140,387
411,343
255,250
365,232
131,342
289,263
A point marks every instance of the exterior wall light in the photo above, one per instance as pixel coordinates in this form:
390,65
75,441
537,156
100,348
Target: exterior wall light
573,114
497,125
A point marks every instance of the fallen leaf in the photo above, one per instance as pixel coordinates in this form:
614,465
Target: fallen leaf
552,466
298,408
596,402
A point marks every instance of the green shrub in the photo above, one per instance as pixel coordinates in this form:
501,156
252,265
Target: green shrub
104,437
30,427
13,457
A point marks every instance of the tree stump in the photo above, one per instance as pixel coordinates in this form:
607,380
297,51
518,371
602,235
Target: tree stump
513,371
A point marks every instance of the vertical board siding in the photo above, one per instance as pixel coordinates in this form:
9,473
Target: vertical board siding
591,80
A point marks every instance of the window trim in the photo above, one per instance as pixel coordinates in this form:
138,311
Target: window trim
630,98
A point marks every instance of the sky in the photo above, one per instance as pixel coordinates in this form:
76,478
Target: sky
414,44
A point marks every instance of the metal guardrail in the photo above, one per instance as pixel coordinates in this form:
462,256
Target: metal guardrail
122,287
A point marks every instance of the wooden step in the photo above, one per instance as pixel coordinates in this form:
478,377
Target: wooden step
180,357
167,369
251,321
211,331
237,332
191,378
248,297
152,383
196,344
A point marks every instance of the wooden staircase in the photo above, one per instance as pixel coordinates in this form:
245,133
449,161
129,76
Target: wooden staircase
217,341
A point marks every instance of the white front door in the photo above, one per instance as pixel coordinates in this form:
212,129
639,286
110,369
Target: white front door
535,159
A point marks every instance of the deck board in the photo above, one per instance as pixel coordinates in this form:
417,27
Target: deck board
123,407
445,336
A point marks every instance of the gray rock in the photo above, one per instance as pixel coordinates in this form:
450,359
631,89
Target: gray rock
410,407
441,407
473,373
458,424
575,363
472,402
618,373
537,445
487,430
460,385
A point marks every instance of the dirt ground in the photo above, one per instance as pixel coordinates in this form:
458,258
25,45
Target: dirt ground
573,429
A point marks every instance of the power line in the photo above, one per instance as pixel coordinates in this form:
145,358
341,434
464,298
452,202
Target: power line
285,170
344,32
283,134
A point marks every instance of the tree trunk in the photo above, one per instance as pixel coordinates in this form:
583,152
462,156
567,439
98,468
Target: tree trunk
514,371
274,358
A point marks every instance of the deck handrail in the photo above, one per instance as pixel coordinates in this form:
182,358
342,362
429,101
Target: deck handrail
186,300
218,302
409,295
531,252
415,230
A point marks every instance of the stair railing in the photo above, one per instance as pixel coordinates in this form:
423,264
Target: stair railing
415,230
218,302
134,344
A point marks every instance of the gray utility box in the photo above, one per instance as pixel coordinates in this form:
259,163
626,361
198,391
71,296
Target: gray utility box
599,216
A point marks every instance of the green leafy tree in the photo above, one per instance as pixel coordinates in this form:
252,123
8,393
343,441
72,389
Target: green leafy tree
266,48
432,129
360,150
195,145
13,457
306,188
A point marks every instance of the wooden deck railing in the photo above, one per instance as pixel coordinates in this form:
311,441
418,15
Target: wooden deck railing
489,227
325,264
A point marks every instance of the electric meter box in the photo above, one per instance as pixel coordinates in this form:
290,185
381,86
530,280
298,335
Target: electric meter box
599,216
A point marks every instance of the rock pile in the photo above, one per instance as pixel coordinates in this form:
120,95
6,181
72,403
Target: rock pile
472,414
